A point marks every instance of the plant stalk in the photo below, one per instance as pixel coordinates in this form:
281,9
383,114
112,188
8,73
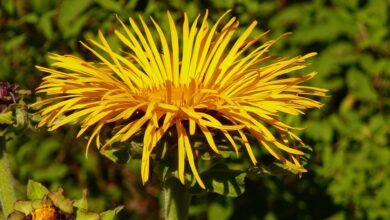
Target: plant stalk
7,192
176,200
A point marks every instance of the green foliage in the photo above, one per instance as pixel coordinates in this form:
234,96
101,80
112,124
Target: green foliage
348,176
41,198
36,190
219,179
6,118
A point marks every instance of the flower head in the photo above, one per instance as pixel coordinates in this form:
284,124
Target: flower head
196,80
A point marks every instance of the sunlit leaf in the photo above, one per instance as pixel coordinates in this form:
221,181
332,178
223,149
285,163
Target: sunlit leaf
6,118
36,190
110,214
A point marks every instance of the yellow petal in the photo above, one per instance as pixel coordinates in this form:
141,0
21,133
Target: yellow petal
181,152
190,158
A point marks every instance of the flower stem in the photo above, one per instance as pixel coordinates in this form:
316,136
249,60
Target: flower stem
176,200
7,192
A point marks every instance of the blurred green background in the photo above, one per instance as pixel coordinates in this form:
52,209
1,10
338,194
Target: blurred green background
349,174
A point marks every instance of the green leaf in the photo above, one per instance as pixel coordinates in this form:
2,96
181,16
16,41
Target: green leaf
24,206
109,5
6,118
9,6
31,18
361,85
61,201
85,215
11,44
219,211
83,202
120,156
82,211
36,190
274,169
55,171
70,11
76,26
110,214
222,180
121,153
21,116
45,24
319,130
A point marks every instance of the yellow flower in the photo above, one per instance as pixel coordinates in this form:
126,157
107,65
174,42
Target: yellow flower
45,213
198,79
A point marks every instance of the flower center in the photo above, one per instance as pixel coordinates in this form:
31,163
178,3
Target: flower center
45,213
181,95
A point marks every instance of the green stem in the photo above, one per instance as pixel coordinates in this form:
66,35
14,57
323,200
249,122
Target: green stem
7,192
176,200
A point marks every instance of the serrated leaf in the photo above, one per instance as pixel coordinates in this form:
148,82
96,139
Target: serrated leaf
36,190
6,118
110,214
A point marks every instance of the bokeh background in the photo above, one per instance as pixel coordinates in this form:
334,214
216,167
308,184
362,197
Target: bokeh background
349,170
